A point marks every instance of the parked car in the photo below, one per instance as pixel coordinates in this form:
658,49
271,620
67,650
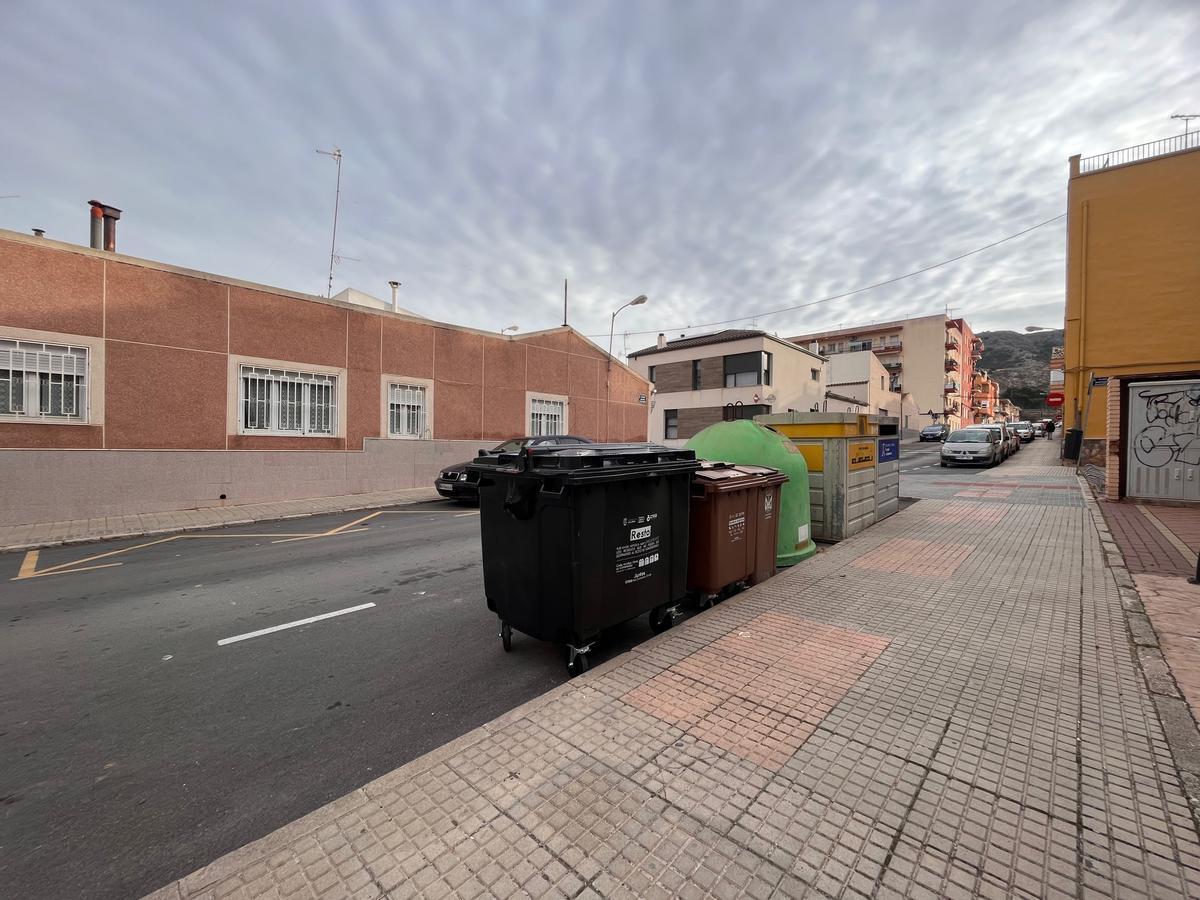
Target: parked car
973,447
1014,442
456,483
934,433
1009,443
1024,431
1039,429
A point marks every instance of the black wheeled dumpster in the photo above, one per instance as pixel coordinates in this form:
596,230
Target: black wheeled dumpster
577,539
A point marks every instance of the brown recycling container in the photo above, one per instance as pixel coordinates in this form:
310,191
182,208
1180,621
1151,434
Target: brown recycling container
733,524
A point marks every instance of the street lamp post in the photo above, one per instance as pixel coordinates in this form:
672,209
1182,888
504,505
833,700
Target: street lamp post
612,323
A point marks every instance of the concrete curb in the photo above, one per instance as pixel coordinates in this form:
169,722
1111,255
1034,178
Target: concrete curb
1179,726
117,535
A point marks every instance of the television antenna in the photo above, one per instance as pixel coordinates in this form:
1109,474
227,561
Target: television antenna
336,155
1187,120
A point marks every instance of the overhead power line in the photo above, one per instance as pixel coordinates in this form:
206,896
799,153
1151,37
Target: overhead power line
869,287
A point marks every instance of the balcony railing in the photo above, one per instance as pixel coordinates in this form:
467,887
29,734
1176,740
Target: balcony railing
1128,155
951,364
951,344
893,365
951,387
888,348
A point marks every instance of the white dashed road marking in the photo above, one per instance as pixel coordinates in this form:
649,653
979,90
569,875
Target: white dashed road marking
296,624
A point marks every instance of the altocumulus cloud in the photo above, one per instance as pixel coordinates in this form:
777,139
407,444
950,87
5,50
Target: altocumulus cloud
721,158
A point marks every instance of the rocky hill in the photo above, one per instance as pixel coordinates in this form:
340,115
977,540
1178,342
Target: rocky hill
1021,363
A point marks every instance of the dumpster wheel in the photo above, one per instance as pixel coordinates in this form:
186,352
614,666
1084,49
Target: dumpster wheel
662,618
506,636
577,660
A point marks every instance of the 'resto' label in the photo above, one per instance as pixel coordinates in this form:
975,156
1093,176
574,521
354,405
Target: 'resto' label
635,560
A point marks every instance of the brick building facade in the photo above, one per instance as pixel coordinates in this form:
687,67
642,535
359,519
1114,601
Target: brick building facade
103,352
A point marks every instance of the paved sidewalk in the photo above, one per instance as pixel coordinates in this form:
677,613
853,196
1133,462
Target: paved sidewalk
948,704
1162,540
77,531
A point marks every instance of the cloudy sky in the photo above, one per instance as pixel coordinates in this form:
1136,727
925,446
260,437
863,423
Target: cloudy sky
723,158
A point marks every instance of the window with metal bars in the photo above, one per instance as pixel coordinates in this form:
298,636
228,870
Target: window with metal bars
547,416
47,382
407,410
278,401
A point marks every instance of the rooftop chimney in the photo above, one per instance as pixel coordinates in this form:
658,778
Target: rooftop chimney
395,286
104,226
662,340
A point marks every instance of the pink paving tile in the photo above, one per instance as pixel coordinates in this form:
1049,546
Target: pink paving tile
674,698
925,559
968,513
761,690
753,732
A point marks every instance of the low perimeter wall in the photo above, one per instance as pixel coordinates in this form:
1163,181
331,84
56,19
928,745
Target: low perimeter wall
56,485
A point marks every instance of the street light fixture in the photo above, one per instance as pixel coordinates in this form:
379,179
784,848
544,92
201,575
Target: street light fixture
636,301
513,328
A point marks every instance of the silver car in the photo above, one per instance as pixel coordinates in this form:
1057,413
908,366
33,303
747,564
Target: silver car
1024,431
981,446
1009,442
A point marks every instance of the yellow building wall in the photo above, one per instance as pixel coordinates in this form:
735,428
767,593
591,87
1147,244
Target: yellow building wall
1133,277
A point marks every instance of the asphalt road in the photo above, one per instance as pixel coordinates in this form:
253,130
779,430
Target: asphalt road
137,743
134,748
916,456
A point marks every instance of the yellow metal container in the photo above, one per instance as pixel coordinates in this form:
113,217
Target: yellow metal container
849,488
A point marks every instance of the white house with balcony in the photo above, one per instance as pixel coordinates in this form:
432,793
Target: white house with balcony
701,379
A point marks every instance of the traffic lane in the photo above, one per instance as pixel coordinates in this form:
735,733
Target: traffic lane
124,769
65,579
919,455
80,558
178,604
929,464
129,770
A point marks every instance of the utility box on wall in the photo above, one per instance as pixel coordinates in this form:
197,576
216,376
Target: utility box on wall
849,489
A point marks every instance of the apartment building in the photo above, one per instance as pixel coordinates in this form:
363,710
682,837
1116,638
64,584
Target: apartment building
1007,411
930,358
204,390
1054,391
985,397
859,382
732,374
1131,361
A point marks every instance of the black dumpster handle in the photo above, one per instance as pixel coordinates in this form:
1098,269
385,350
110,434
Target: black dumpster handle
520,498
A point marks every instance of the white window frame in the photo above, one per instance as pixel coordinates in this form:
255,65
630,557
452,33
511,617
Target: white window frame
285,395
51,363
540,406
401,393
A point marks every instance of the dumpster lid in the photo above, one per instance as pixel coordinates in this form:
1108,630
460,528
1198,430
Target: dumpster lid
580,461
730,476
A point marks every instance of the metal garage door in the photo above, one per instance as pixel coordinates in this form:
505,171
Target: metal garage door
1163,455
